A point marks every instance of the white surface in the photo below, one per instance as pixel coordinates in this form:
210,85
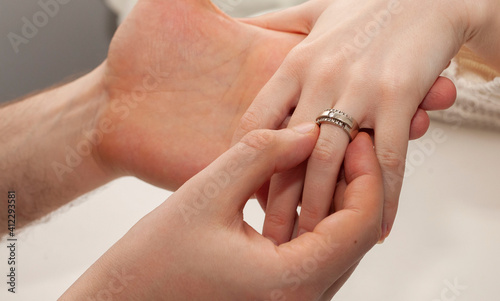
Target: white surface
448,228
448,225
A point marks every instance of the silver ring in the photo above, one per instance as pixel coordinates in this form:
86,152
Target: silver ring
340,119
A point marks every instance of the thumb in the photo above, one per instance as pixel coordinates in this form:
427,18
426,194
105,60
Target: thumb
228,183
297,19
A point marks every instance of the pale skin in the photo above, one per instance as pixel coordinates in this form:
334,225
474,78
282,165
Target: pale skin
196,252
228,63
183,69
374,60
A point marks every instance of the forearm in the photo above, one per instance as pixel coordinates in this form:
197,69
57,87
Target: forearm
48,154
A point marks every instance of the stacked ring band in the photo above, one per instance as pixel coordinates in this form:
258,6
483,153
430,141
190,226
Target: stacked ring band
340,119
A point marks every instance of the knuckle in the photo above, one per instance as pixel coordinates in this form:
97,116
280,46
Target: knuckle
393,168
392,85
311,213
259,140
277,219
328,70
324,150
303,59
391,161
249,121
301,53
295,63
387,84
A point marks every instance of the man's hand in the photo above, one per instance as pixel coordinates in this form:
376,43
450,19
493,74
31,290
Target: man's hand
196,246
179,75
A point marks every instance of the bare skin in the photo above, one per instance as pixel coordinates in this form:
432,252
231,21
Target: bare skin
196,247
161,107
374,60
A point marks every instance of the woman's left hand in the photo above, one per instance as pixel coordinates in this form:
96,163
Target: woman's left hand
196,246
374,60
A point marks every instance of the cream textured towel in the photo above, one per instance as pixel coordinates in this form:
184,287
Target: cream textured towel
478,93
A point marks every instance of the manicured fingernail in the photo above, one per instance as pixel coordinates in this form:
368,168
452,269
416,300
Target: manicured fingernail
304,128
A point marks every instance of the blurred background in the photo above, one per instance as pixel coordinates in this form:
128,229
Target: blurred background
445,243
74,41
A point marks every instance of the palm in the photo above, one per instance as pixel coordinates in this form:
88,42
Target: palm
211,67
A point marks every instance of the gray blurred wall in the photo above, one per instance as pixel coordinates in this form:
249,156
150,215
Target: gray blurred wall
72,37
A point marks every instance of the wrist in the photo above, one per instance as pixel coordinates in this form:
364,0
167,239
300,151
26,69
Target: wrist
50,159
482,28
80,115
97,126
475,15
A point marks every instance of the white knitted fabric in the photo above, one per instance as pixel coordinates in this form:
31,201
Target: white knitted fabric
478,100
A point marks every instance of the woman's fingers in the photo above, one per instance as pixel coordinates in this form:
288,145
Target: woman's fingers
419,124
337,77
321,176
237,174
391,143
288,189
284,195
342,239
441,96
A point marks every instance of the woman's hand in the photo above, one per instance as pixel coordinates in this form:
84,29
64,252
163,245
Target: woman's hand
374,60
196,246
179,76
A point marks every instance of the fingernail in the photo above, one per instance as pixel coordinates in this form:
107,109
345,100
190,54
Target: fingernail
304,128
